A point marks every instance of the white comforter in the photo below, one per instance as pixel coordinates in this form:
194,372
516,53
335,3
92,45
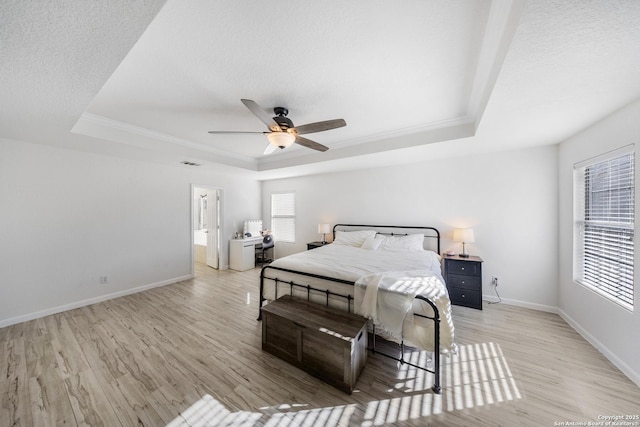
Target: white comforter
388,299
351,263
417,272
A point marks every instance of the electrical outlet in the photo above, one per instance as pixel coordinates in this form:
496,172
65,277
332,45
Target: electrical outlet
494,281
104,280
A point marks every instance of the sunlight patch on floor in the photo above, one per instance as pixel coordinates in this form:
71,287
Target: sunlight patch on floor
478,375
209,412
329,416
400,409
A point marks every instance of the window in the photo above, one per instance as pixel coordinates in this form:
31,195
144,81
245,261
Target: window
603,225
283,217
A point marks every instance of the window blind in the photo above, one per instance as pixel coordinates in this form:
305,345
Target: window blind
283,217
604,202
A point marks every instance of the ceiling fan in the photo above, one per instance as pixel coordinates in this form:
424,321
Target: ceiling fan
282,133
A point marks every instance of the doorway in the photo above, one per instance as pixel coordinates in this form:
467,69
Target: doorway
206,229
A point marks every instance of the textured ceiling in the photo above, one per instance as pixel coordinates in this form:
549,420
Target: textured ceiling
413,79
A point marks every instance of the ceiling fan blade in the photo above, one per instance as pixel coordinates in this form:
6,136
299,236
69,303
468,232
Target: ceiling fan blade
319,126
261,114
310,144
270,149
232,132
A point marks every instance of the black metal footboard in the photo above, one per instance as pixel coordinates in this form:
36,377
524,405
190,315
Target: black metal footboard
269,273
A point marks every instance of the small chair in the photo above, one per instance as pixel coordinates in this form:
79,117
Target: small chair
261,250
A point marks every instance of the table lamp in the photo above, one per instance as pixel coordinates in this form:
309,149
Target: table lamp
464,235
323,229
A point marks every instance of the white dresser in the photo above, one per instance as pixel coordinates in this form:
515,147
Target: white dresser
242,253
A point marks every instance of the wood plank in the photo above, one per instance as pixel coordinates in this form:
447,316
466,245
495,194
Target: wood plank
50,403
68,353
129,402
129,355
91,407
168,403
15,403
39,356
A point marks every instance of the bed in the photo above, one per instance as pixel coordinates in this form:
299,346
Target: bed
389,274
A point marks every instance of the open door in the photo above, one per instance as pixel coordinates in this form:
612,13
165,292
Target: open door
213,229
206,225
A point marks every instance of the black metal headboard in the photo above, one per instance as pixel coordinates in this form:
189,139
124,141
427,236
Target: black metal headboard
430,233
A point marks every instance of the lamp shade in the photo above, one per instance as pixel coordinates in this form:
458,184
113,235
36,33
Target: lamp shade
323,228
281,139
463,235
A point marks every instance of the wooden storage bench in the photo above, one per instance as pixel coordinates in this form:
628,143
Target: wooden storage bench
329,344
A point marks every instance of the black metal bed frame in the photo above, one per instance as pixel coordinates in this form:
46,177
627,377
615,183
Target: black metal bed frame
309,289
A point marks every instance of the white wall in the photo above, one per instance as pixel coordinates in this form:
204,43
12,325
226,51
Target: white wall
509,198
67,218
610,328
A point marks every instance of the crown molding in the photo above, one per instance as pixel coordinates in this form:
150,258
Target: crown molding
124,133
446,130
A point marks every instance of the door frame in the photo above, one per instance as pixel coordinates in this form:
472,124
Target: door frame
220,200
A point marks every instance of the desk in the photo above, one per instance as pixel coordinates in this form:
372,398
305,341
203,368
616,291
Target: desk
242,253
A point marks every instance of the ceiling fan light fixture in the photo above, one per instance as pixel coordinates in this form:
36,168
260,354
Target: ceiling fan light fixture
281,139
282,132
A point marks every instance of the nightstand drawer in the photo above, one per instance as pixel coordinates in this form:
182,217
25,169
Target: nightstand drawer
465,297
466,282
465,268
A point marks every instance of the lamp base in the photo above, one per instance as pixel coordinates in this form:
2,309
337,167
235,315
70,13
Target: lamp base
463,255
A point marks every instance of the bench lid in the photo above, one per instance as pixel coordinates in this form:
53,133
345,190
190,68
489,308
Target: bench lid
316,316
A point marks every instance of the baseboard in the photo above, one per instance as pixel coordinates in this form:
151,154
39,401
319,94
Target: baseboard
518,303
83,303
626,369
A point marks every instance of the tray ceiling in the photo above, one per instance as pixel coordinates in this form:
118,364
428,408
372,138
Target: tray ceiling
388,72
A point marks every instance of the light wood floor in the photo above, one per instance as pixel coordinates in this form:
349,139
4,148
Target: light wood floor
193,348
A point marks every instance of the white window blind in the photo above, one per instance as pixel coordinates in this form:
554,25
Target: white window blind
604,216
283,217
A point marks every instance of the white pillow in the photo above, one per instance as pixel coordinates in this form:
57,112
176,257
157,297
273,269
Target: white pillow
409,243
352,238
372,243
